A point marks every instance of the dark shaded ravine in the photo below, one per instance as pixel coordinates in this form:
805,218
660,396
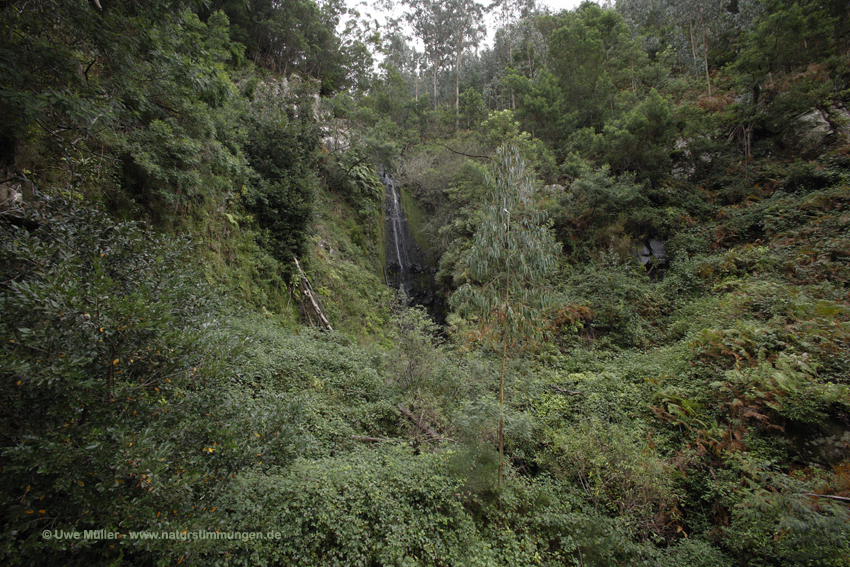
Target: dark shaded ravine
407,267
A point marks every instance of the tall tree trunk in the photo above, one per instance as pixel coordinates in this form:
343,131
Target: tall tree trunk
435,84
502,403
693,45
705,58
457,83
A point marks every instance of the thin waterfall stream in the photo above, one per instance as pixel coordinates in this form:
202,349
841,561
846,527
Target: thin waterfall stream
408,267
398,233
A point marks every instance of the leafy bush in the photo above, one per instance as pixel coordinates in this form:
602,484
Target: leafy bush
594,205
626,307
384,506
281,145
357,183
640,141
106,369
776,518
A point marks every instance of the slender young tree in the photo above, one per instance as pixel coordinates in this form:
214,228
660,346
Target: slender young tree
512,254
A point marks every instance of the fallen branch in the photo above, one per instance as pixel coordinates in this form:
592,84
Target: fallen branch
373,439
564,391
455,151
839,498
307,289
423,426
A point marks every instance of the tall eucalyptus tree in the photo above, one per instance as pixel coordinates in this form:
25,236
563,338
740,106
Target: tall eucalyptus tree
701,26
509,13
704,22
468,30
401,54
431,23
512,253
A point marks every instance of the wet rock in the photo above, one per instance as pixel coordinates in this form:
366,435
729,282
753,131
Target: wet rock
653,257
823,445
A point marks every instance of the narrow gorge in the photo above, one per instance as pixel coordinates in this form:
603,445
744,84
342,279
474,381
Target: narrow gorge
409,268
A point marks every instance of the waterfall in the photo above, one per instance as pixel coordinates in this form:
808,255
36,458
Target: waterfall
409,268
397,238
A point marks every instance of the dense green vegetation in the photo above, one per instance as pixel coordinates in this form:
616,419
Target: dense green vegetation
164,163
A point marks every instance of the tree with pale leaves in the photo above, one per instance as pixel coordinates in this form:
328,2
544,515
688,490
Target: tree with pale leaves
512,255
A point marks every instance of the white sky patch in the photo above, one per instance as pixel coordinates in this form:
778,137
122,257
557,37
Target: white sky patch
368,10
558,5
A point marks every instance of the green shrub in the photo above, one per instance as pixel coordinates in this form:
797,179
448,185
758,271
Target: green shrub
619,472
105,370
381,506
280,148
776,520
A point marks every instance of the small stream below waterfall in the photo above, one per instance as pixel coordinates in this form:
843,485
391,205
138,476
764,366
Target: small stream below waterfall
407,266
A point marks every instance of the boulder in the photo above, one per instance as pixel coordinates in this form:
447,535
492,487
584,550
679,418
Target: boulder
653,257
810,130
815,128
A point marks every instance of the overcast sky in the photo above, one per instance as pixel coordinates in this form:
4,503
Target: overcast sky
555,5
558,5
